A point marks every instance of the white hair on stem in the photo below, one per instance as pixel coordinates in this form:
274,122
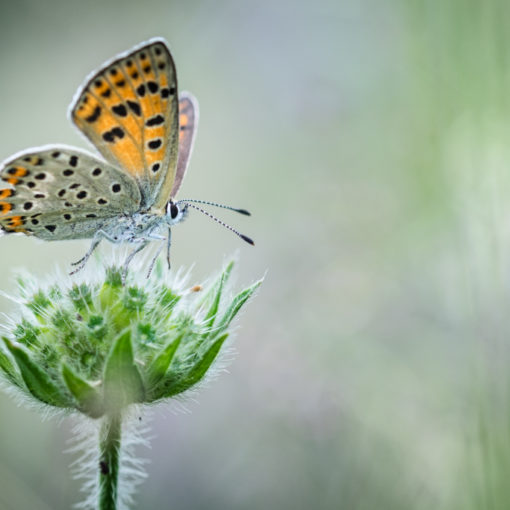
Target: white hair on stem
84,443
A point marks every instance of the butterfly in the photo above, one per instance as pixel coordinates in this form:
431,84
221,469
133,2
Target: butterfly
131,112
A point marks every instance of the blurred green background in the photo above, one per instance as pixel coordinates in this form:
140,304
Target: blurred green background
371,141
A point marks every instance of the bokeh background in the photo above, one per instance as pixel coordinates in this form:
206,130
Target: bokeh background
371,141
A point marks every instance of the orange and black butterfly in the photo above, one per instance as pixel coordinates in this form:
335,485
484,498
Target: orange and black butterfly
131,111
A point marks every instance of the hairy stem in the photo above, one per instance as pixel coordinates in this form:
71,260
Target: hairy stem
109,445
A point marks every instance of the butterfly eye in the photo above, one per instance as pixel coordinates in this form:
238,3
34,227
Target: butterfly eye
174,211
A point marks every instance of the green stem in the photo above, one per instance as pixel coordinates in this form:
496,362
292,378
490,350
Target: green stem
109,445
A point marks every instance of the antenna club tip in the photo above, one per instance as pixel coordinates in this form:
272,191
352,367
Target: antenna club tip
247,239
243,211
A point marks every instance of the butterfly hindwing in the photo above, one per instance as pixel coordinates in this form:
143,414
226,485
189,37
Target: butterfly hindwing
188,124
56,226
129,111
62,193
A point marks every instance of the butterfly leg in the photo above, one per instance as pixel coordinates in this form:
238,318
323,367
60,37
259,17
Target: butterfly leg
138,249
168,244
153,261
100,234
81,263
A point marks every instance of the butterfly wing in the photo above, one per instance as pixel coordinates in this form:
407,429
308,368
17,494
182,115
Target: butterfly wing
129,111
188,124
60,192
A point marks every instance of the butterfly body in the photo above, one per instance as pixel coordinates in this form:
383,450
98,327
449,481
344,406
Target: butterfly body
138,227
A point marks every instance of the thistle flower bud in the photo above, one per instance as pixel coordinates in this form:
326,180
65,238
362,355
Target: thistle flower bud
100,346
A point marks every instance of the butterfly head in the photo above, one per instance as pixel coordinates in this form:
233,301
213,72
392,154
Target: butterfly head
175,212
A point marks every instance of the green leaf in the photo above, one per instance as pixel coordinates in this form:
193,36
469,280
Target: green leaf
123,383
90,400
202,365
236,305
8,368
159,365
36,379
173,385
214,295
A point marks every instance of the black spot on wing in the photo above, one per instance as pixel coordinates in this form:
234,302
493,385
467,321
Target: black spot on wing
120,110
135,107
166,92
116,132
152,86
154,144
94,115
157,120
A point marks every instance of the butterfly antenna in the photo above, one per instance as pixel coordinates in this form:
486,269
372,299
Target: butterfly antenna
230,208
242,236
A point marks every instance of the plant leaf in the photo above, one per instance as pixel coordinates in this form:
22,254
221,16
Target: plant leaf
123,383
236,305
214,295
36,380
8,368
177,384
90,400
159,365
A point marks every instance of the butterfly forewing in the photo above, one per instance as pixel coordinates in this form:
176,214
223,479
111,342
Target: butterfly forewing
188,123
129,111
62,193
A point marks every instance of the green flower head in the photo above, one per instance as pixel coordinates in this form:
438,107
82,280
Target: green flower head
100,346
